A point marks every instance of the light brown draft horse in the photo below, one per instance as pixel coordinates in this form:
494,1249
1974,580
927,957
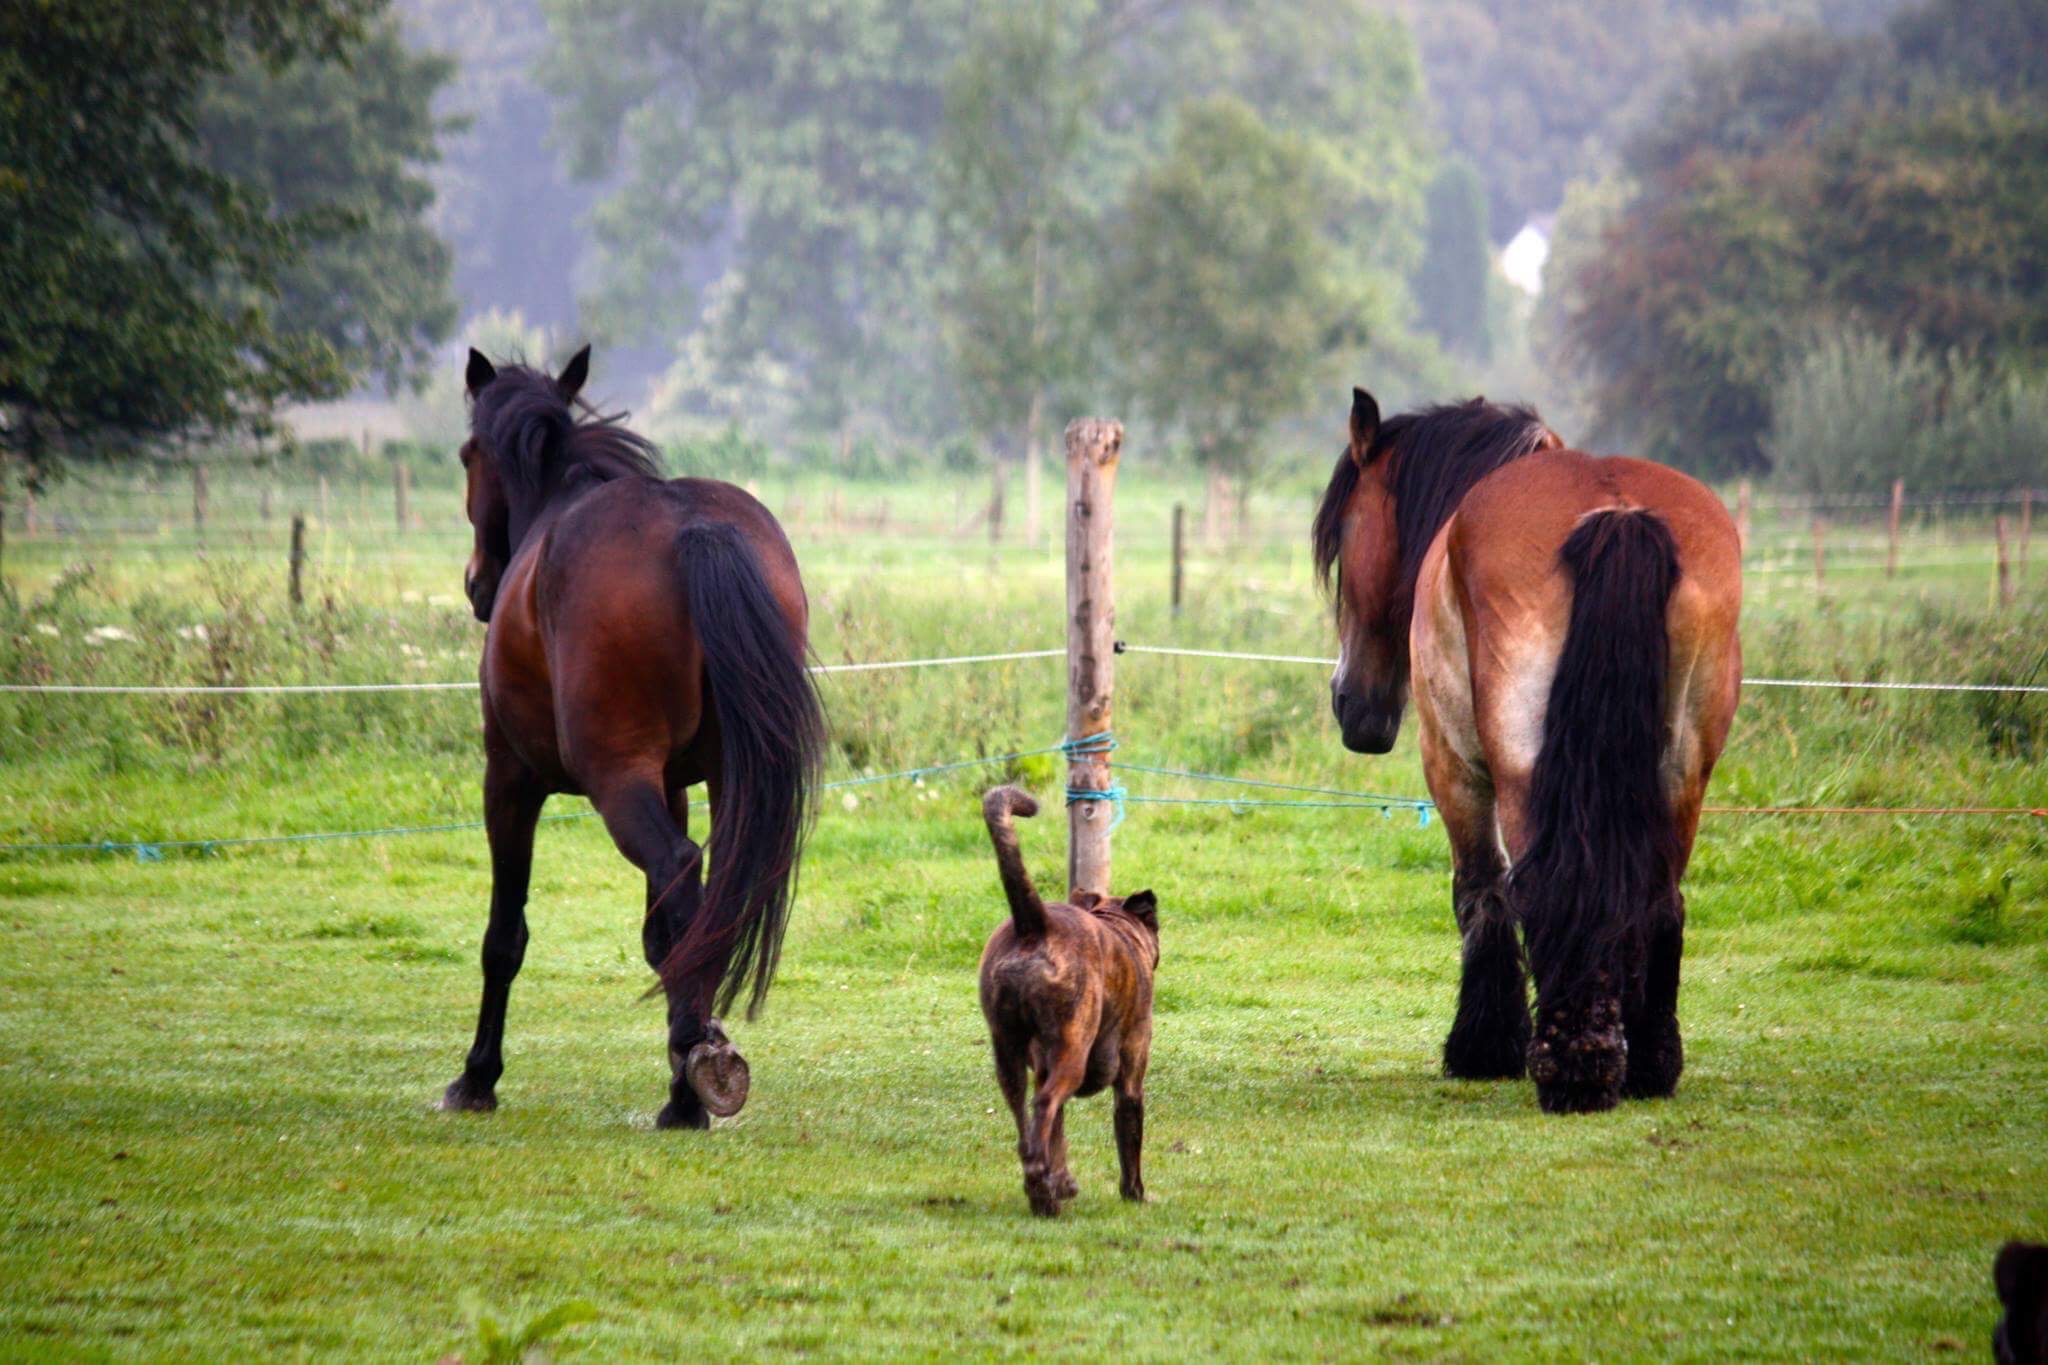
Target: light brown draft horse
1570,624
644,635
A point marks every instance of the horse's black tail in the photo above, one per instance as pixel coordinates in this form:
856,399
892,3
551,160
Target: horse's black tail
1027,911
771,733
1603,854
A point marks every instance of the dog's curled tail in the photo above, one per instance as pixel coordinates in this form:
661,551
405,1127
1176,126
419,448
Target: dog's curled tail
1027,911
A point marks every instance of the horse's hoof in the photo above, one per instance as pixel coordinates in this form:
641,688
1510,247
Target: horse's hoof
461,1097
1064,1186
674,1115
718,1074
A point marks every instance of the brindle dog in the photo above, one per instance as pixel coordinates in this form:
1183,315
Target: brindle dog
1067,991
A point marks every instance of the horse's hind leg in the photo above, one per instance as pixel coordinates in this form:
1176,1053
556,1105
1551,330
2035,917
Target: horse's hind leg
512,804
648,829
1656,1055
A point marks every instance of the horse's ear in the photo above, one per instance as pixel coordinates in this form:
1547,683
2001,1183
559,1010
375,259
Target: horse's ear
480,372
1365,426
570,381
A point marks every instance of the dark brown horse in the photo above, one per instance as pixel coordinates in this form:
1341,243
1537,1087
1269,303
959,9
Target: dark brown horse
644,635
1568,627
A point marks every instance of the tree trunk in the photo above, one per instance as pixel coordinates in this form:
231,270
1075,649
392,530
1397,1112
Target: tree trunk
1033,459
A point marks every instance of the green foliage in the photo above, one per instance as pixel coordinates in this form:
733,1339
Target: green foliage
793,139
1857,411
1451,286
140,283
1225,282
1014,222
533,1344
151,292
1536,93
902,228
347,141
1800,184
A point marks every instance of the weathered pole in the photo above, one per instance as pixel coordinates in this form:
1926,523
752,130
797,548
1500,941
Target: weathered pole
1742,513
2026,526
298,558
401,493
2004,565
1093,445
1180,520
198,497
1891,555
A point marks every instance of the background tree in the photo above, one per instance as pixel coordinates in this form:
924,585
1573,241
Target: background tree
1225,281
1806,184
1457,264
1013,220
346,144
788,144
142,285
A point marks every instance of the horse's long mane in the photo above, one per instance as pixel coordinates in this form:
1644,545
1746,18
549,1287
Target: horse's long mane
540,446
1438,453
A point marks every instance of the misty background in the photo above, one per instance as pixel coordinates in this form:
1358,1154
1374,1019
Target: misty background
1787,239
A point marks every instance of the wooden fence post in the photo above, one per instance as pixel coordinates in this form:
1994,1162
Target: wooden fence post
2004,565
298,558
198,497
1891,556
1742,514
401,493
2026,525
1180,522
263,503
1820,553
1093,446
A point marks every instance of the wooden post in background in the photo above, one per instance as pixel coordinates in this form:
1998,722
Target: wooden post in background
1891,554
1742,514
2026,525
2004,565
1093,446
1820,552
263,502
401,493
298,558
198,497
995,504
1180,541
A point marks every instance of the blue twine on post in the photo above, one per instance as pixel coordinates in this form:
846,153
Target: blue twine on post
1102,743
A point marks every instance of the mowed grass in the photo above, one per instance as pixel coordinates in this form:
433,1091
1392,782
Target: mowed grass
216,1073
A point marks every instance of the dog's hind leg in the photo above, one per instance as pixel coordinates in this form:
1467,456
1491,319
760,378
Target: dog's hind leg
1010,1069
1130,1138
1067,1068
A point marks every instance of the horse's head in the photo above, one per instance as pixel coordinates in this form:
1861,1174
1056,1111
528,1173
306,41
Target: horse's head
496,524
1358,553
1394,487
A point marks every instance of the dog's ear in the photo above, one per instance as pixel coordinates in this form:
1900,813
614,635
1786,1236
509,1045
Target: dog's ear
1145,907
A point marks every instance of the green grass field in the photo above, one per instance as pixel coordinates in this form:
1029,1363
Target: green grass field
216,1072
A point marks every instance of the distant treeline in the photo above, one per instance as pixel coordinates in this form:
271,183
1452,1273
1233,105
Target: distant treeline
1828,256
